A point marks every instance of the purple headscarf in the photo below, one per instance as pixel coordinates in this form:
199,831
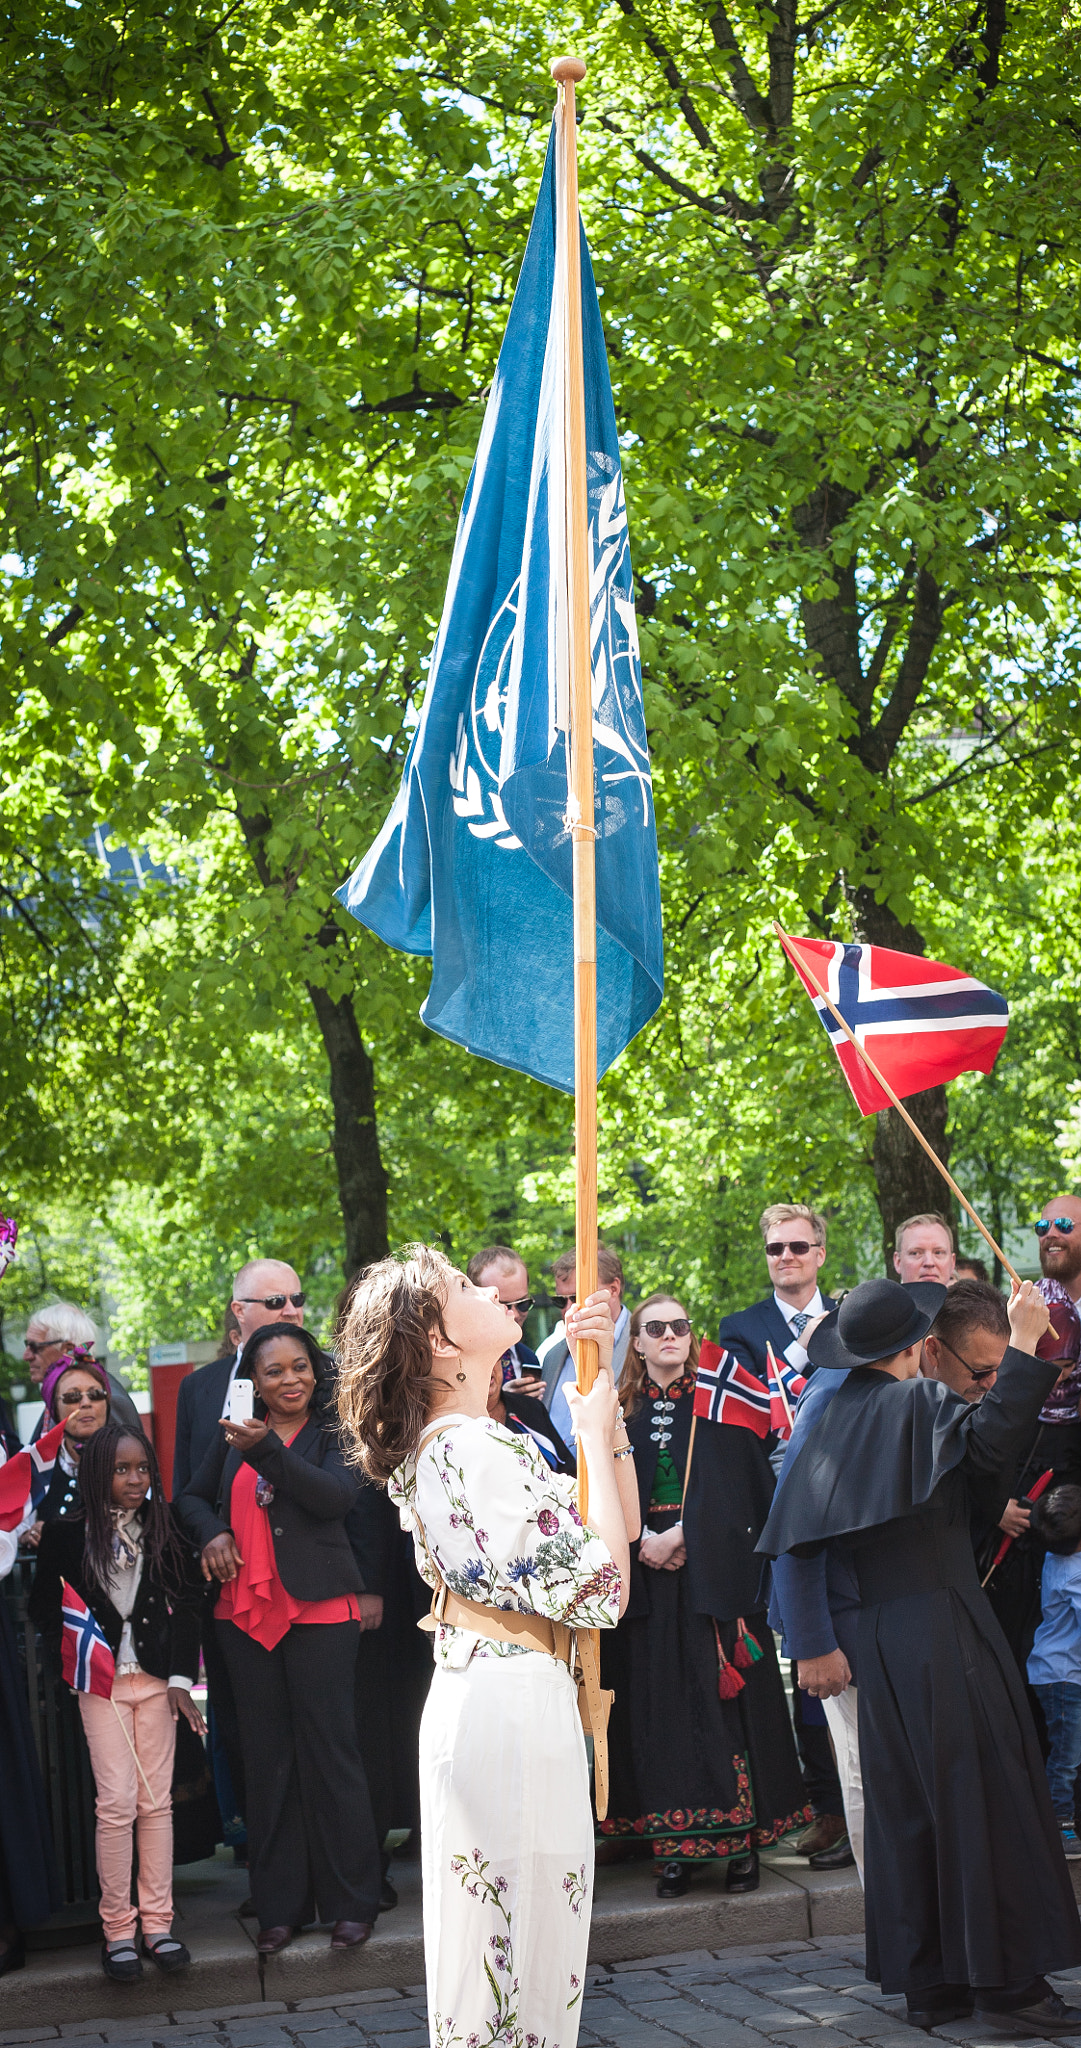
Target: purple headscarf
75,1360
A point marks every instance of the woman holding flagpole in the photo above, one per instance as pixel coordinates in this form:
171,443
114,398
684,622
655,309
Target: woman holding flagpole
506,1827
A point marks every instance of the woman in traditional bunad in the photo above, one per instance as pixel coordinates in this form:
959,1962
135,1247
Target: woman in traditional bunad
506,1825
703,1760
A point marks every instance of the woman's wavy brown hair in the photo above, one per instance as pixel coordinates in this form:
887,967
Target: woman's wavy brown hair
385,1366
633,1377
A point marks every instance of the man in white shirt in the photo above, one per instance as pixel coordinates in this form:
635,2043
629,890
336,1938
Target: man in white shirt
924,1250
264,1291
557,1364
794,1238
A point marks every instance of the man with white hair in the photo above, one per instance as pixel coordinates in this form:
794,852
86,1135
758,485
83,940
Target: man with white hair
264,1291
51,1332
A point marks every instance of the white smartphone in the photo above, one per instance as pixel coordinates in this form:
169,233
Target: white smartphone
241,1400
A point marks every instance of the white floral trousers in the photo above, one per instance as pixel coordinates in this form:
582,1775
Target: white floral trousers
507,1849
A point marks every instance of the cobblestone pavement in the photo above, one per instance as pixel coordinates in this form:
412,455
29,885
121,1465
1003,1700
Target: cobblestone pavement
791,1995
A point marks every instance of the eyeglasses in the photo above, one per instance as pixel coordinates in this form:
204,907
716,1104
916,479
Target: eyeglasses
273,1300
1063,1223
94,1394
37,1345
679,1327
976,1372
798,1246
520,1308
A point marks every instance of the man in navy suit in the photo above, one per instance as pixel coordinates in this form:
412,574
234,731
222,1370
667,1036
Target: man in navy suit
795,1241
795,1245
264,1291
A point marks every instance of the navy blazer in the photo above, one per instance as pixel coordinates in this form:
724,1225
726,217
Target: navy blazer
199,1407
314,1490
749,1331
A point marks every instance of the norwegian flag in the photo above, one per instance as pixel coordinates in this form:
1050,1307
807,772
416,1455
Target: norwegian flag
792,1381
921,1021
88,1662
725,1391
24,1480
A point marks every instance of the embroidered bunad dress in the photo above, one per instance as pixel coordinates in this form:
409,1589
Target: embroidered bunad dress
506,1821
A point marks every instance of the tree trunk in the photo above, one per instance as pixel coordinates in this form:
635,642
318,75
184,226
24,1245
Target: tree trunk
362,1179
907,1183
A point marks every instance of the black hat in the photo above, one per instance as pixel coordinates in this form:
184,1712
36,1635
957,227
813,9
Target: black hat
878,1319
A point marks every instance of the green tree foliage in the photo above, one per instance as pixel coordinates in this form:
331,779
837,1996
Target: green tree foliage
262,259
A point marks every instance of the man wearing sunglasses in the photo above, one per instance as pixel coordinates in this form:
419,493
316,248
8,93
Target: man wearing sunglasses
51,1332
500,1267
795,1244
265,1291
1058,1234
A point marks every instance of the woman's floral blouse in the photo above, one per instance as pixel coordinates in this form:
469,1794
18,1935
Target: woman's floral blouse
502,1528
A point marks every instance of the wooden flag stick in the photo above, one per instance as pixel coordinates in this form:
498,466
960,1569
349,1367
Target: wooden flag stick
902,1112
568,71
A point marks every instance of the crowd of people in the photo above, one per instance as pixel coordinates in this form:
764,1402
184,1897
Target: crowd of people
280,1562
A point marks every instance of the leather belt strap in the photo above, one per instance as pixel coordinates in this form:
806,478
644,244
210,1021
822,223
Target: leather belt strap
535,1632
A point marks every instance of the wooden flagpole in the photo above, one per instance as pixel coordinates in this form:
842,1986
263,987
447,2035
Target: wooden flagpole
567,72
902,1112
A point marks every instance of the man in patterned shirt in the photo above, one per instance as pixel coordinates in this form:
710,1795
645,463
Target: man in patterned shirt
1059,1234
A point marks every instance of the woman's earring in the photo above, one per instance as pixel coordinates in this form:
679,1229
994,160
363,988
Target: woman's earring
459,1375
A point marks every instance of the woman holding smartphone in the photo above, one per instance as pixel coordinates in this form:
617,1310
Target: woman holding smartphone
267,1507
506,1825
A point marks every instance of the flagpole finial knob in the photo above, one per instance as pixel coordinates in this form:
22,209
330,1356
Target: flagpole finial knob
568,70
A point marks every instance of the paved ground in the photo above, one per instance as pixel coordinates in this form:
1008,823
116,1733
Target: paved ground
786,1995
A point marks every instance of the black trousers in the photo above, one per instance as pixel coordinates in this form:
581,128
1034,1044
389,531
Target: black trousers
312,1845
219,1688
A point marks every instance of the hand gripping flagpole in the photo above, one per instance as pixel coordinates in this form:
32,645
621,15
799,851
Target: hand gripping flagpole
569,71
902,1112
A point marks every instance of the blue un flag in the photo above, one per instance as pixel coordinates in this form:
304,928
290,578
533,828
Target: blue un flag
473,865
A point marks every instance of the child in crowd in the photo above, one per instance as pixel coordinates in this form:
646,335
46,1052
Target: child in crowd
1054,1666
121,1553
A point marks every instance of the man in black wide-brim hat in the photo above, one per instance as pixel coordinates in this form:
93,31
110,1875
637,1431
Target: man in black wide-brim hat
969,1900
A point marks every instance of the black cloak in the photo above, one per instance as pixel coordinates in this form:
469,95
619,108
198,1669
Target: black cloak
966,1880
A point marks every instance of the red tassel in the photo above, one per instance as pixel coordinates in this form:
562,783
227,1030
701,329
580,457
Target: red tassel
747,1650
729,1682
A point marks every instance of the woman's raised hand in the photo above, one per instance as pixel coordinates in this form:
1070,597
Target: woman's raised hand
596,1415
243,1436
593,1320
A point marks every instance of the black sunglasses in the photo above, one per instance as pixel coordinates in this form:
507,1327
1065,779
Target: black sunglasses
88,1394
798,1245
523,1307
274,1300
976,1372
679,1327
1063,1223
41,1344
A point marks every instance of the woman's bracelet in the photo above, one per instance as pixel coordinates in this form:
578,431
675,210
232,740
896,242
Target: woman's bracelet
626,1452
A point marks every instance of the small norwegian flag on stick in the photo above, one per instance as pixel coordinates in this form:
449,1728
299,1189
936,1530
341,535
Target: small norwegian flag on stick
25,1478
87,1661
786,1384
928,1023
725,1391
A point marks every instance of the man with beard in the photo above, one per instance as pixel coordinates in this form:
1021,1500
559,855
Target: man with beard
1059,1234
